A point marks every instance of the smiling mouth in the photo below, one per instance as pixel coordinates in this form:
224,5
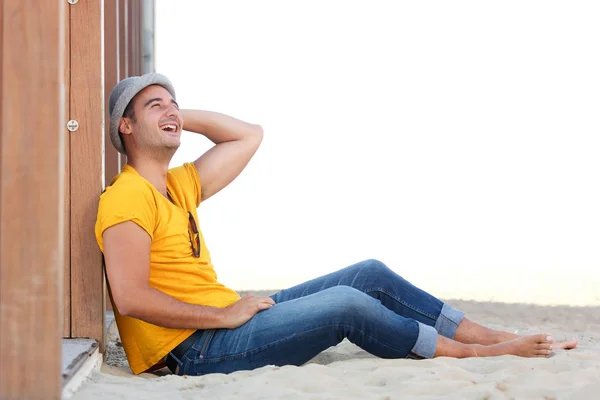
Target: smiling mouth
169,128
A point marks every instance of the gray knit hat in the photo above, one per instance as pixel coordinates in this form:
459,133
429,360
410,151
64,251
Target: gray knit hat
123,93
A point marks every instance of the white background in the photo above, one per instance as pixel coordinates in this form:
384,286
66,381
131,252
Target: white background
455,141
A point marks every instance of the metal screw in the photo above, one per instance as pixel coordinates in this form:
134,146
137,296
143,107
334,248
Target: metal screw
72,2
72,125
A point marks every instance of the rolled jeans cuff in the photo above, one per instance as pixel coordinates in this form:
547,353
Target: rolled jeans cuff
426,341
448,321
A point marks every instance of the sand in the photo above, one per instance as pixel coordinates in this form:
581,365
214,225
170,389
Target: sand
347,372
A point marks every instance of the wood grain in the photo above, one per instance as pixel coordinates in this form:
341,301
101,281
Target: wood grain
134,58
123,32
31,198
111,75
1,63
123,38
67,179
112,160
87,179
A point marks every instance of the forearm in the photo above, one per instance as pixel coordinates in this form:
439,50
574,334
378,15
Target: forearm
217,127
153,306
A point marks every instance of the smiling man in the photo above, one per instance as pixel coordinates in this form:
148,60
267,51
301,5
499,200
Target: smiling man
169,305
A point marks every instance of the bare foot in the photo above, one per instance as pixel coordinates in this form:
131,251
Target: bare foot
472,333
502,337
525,346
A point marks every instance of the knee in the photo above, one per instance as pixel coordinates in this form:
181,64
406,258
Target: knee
375,267
342,302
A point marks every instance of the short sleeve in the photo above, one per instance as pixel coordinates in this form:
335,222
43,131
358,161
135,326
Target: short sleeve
135,203
185,183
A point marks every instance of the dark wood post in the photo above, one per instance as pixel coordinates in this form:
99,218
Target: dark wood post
32,153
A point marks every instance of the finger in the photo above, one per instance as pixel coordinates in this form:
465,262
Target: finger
264,306
266,299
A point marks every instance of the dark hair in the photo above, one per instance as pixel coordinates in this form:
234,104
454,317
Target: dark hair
128,113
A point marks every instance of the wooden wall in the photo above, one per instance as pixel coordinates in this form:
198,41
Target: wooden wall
32,158
120,23
67,175
112,38
123,34
86,93
57,64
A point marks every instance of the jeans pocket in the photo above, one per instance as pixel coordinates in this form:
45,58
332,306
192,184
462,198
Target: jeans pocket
196,353
200,346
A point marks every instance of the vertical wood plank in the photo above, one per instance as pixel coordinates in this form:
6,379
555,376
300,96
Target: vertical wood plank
111,75
123,38
67,179
133,36
138,38
1,63
123,33
87,179
31,199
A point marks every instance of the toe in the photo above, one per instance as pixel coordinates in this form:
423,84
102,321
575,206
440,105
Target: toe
543,352
543,338
544,346
567,344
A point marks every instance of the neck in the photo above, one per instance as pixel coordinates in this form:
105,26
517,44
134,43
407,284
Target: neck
154,171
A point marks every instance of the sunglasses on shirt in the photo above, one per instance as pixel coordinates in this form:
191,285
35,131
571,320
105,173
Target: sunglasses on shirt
194,236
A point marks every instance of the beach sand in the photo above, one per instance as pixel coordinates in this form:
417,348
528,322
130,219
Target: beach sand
347,372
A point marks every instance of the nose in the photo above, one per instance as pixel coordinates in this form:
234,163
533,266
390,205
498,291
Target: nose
172,110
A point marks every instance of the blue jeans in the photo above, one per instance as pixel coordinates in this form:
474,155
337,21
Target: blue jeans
367,303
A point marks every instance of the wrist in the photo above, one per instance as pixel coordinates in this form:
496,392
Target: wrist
221,317
196,121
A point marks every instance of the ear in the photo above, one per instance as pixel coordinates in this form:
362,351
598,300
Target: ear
125,126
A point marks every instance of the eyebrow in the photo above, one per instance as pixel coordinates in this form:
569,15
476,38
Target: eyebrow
159,99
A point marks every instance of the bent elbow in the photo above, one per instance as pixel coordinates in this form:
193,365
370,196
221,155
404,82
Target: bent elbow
258,131
126,307
125,312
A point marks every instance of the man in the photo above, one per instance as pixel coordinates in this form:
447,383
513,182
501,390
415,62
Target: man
169,306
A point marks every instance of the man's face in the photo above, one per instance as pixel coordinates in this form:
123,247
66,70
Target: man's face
157,121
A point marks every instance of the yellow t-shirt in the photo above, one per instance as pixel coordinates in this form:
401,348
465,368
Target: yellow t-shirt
173,268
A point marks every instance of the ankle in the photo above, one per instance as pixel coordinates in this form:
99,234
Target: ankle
495,338
473,350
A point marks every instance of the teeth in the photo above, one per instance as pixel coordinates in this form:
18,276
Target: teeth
170,127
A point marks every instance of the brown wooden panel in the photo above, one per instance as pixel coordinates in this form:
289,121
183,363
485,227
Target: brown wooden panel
135,53
87,107
131,37
1,62
67,186
139,40
123,33
31,202
111,75
123,38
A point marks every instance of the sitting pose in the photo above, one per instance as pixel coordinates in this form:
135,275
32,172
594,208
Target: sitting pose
169,305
